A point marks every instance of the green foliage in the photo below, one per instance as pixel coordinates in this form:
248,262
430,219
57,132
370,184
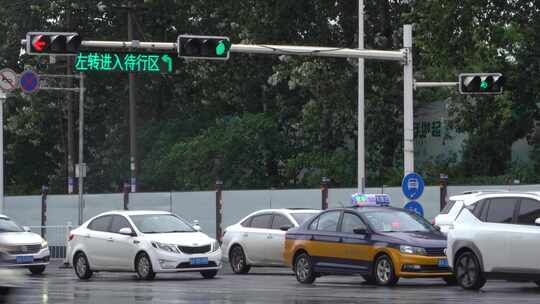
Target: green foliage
268,121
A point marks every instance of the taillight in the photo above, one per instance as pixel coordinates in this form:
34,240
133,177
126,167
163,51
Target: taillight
71,237
433,222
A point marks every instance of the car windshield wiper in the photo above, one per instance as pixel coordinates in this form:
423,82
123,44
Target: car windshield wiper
149,232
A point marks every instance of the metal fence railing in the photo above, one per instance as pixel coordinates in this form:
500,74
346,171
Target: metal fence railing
57,237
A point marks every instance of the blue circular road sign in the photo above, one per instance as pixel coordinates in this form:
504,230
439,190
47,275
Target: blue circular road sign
412,186
29,81
415,207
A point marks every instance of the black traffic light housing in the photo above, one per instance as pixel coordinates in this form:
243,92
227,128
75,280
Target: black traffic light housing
47,43
481,83
203,47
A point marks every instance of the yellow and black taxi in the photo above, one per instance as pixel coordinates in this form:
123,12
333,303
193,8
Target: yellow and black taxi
375,240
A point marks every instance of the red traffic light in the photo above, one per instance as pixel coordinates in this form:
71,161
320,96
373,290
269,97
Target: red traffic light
46,43
40,43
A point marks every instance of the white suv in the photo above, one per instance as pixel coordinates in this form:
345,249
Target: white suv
496,235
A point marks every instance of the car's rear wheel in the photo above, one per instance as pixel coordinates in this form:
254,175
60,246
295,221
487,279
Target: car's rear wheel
37,269
468,272
82,268
238,262
537,283
209,274
303,269
143,266
384,271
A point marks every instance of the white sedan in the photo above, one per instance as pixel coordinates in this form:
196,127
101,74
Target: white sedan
259,238
146,242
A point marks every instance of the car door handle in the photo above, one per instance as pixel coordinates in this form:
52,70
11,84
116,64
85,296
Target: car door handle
269,237
245,234
87,236
136,242
110,239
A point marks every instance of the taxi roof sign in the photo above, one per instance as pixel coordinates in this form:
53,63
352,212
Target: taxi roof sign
361,199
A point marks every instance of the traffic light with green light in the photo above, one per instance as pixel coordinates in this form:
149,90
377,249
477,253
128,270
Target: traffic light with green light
47,43
203,47
481,83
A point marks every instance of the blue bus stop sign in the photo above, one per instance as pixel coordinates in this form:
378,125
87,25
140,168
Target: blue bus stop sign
415,207
29,81
412,186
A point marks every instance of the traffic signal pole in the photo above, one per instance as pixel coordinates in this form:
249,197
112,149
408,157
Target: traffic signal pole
361,142
408,105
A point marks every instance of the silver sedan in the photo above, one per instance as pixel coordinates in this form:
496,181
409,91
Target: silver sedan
21,248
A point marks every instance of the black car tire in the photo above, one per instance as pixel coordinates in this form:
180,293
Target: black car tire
143,267
537,283
209,274
81,266
303,268
451,280
468,272
370,279
36,270
383,271
237,260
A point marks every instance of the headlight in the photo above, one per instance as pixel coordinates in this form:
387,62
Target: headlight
44,244
166,247
412,250
215,245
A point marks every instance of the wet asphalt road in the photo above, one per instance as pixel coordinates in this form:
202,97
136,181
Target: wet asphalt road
262,285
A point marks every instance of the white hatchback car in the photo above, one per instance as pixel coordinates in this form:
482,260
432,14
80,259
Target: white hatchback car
147,242
497,236
259,238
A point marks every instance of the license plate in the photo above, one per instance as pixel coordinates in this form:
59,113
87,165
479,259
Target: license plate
24,259
443,263
198,261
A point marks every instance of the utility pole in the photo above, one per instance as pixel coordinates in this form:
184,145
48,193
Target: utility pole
133,164
408,84
361,104
69,98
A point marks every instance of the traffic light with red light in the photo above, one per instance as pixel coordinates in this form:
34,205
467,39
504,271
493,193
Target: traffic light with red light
203,47
46,43
481,83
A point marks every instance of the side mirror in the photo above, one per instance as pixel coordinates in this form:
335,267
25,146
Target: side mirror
126,231
537,221
196,225
27,229
360,230
285,227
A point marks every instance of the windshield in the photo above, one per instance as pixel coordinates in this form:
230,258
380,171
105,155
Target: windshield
160,223
7,225
397,221
301,218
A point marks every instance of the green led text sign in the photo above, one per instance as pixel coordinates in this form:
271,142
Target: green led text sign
123,62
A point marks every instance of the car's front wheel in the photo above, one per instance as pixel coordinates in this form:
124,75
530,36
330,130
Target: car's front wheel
303,269
468,272
82,268
209,274
237,259
537,283
143,266
37,269
384,271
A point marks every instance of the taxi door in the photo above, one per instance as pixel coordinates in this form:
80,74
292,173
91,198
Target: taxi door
356,242
325,248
